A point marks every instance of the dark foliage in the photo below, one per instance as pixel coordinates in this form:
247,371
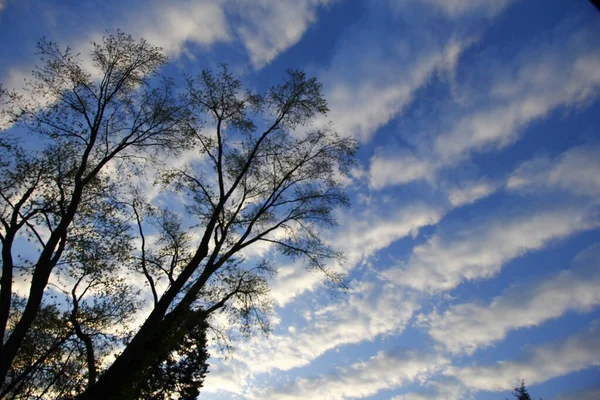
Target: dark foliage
521,393
75,322
182,372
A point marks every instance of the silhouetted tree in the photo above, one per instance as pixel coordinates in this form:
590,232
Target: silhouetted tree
55,191
521,393
70,310
182,372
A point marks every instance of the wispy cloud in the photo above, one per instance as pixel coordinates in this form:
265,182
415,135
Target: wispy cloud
171,25
360,236
362,379
458,8
367,312
575,171
265,28
558,72
439,387
467,327
397,168
368,84
269,27
576,352
589,394
470,192
470,252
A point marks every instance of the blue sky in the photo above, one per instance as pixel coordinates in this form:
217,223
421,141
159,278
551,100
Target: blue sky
473,243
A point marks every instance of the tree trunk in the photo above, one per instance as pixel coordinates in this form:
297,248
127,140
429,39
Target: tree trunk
151,345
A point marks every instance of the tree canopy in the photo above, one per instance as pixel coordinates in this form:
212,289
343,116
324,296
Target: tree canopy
80,229
521,392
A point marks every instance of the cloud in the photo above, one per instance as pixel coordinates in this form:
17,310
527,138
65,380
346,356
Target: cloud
370,310
269,27
577,352
458,8
362,379
171,25
439,387
470,252
359,238
368,84
293,280
396,169
362,237
467,327
575,171
589,394
559,72
226,376
470,192
266,28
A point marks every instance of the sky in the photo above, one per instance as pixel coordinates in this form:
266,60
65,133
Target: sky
473,243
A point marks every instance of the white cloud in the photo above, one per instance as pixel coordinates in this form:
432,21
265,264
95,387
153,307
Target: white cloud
226,376
575,353
362,379
266,28
458,8
590,394
478,251
559,73
439,388
397,169
470,192
171,24
291,281
370,310
467,327
575,170
362,237
359,238
269,27
379,85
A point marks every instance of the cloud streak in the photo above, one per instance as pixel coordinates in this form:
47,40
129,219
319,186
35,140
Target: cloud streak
368,84
359,238
470,326
459,8
471,252
368,312
560,73
362,379
577,352
574,171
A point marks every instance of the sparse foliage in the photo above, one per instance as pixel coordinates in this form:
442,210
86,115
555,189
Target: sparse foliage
75,320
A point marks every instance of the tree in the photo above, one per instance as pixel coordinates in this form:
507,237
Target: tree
521,393
55,191
262,174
